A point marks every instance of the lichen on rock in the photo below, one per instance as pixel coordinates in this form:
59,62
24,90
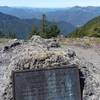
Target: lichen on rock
34,55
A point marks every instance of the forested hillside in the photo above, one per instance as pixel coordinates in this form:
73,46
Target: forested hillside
21,27
91,29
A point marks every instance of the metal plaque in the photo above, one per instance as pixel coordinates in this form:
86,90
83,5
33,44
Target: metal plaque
52,84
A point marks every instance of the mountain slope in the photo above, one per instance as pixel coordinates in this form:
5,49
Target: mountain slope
22,27
77,16
13,24
92,29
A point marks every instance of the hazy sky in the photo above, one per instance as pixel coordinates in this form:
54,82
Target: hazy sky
49,3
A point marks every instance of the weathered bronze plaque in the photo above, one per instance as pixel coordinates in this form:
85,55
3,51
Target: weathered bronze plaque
52,84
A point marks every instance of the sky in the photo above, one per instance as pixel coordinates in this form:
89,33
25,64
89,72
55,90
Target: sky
49,3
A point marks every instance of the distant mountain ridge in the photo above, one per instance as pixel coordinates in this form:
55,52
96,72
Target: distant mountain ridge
22,27
77,16
91,29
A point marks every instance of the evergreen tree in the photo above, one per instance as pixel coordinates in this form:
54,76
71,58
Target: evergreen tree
2,35
43,27
11,35
46,30
54,31
33,32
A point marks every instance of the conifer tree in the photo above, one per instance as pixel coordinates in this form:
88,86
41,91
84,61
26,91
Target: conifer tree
33,32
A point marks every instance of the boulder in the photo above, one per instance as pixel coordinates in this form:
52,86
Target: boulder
30,56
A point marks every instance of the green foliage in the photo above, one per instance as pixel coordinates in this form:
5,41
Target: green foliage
54,31
44,24
91,29
22,27
46,31
1,35
8,35
50,31
33,32
11,35
97,29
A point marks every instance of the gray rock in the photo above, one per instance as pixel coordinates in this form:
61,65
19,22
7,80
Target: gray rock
11,45
52,43
48,43
33,55
71,53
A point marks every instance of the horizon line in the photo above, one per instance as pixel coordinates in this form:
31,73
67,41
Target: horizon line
47,7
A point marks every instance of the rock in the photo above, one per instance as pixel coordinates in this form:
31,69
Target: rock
71,53
38,40
12,45
48,43
15,44
52,43
34,55
6,48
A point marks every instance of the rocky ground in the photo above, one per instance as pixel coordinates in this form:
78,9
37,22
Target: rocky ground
88,53
42,53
